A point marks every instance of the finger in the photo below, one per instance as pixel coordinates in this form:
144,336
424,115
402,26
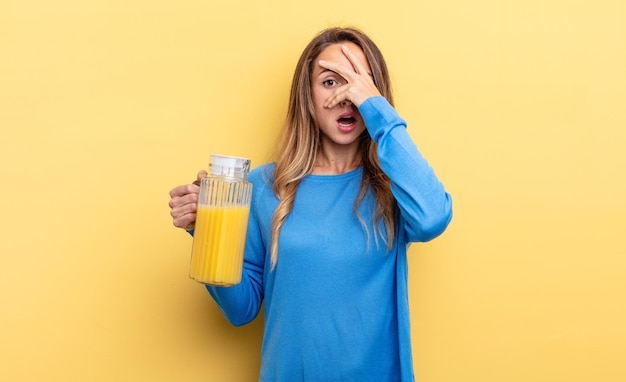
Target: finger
180,201
184,216
184,209
184,190
340,95
343,71
358,66
184,221
201,174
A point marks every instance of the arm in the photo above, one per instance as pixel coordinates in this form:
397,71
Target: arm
424,204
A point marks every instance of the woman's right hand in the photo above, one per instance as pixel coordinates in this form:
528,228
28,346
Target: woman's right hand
184,203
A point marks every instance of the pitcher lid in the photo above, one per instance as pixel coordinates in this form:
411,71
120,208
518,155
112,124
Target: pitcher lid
226,165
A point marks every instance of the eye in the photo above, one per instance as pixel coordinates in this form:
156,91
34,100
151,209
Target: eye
330,82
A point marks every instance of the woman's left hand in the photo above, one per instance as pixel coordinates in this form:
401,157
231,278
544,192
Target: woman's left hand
359,82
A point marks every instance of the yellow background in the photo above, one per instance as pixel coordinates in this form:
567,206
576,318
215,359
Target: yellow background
106,105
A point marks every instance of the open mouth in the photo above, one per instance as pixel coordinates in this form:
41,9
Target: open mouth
346,121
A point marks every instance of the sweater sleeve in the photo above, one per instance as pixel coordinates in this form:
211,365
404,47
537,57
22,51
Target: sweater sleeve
241,303
425,206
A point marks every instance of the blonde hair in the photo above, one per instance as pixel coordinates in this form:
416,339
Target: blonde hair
300,139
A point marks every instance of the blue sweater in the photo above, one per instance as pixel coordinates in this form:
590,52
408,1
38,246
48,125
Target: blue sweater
336,304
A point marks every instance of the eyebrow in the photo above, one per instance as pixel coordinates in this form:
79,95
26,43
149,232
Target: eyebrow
325,70
332,71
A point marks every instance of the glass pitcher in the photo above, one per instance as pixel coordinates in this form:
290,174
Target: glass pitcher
221,222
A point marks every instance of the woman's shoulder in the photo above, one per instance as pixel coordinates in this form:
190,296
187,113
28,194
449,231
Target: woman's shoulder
262,179
262,175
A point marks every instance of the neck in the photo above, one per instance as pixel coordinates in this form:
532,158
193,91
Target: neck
332,162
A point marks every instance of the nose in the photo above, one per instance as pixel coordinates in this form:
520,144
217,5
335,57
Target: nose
346,102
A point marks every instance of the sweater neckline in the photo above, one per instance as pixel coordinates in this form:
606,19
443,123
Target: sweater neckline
346,175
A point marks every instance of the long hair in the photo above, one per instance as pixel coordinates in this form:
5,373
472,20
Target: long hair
299,143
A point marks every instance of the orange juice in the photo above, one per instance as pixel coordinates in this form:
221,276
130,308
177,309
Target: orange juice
218,244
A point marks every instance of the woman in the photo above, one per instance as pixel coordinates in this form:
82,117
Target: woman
330,223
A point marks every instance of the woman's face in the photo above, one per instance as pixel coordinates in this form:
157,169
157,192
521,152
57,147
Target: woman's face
342,124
